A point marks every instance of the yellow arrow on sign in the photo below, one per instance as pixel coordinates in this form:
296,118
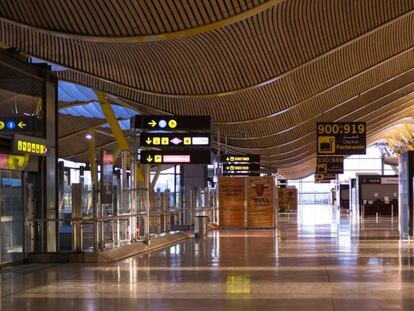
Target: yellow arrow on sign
21,124
149,159
148,141
152,123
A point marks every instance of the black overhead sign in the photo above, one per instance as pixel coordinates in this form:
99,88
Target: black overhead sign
172,123
232,158
241,173
174,140
324,178
330,165
191,156
341,138
241,167
29,145
17,124
281,183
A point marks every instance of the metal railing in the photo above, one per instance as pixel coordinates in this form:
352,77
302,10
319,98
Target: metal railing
82,227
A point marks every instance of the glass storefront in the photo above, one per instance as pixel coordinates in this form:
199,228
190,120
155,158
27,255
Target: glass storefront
11,217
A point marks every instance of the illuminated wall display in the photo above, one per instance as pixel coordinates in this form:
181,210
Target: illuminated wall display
172,123
330,165
29,145
13,162
174,140
176,157
341,138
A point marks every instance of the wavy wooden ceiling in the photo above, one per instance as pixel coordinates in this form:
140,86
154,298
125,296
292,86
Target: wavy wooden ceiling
266,71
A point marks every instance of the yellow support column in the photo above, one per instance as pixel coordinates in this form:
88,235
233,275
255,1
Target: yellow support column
405,139
113,123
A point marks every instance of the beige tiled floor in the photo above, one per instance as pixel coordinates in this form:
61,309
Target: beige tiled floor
316,260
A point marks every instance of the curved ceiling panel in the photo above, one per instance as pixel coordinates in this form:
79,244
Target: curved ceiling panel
266,71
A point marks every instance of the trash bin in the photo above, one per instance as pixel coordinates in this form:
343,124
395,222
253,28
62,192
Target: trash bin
201,226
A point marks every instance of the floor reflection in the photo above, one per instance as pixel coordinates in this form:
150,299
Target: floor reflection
317,259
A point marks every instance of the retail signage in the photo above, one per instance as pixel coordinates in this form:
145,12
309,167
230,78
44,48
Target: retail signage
389,180
16,124
231,158
14,162
29,145
175,140
107,177
341,138
330,165
192,156
392,180
172,123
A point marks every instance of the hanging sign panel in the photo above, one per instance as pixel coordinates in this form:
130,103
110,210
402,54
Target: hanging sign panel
29,145
252,169
240,173
330,165
195,156
281,183
324,178
174,140
172,123
233,158
17,124
341,138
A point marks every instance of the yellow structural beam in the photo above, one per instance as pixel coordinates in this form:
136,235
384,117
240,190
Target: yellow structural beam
156,176
390,143
140,175
92,156
38,107
405,139
119,135
408,129
112,121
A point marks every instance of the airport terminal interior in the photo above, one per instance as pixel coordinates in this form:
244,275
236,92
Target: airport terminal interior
206,155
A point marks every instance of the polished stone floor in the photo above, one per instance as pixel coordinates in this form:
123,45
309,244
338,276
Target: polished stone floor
316,260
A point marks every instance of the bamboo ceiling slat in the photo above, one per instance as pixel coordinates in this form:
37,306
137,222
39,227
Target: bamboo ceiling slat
268,70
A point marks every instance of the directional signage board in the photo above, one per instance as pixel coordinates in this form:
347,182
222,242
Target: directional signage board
175,140
281,183
341,138
16,124
29,145
229,173
330,165
192,156
324,178
233,158
172,123
241,167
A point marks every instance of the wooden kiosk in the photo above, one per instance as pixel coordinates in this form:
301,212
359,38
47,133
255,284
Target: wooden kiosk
247,202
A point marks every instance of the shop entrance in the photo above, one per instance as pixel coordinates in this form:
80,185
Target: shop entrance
11,217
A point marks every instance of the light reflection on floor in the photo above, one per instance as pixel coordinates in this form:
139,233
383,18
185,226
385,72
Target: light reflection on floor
318,259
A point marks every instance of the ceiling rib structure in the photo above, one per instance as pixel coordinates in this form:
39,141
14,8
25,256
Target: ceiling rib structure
266,71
